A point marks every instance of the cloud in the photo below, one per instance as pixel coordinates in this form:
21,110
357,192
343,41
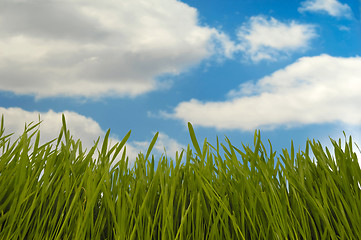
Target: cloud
313,90
331,7
100,48
81,127
268,39
164,144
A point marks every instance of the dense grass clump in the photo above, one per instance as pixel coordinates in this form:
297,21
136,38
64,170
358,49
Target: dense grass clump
59,191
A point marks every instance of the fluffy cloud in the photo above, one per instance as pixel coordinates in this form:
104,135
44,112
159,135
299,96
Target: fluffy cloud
269,39
320,89
97,48
332,7
164,144
81,127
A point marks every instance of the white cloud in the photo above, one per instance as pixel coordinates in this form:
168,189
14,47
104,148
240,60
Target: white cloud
332,7
164,144
269,39
312,90
81,127
344,28
99,48
223,46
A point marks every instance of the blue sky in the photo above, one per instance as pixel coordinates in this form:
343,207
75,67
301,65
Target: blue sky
289,68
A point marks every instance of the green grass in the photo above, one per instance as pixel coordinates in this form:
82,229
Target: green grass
59,191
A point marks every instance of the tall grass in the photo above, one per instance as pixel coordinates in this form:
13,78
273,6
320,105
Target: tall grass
60,191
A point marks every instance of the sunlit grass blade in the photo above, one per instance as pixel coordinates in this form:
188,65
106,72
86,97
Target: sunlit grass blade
194,139
151,145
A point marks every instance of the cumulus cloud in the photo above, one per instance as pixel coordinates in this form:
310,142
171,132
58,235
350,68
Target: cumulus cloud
264,38
81,127
164,144
98,48
331,7
313,90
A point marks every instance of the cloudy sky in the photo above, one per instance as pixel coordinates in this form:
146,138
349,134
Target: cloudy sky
289,68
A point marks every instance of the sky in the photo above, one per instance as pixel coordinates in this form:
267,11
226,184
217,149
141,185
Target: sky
291,69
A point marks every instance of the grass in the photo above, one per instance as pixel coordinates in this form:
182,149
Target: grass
60,191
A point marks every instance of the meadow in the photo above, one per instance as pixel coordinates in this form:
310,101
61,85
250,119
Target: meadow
58,190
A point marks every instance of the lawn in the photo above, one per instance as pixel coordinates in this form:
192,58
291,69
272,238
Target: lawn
59,190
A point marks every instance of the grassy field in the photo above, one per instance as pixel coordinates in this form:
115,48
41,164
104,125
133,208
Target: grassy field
59,191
